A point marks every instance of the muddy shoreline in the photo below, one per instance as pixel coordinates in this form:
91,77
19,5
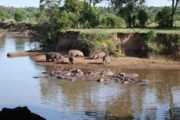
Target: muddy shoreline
89,63
120,63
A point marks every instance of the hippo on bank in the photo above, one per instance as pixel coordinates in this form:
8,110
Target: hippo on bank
106,59
54,56
76,53
99,55
71,58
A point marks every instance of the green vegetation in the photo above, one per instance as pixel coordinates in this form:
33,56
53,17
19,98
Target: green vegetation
163,44
2,15
89,43
95,23
163,17
19,15
142,17
129,30
84,14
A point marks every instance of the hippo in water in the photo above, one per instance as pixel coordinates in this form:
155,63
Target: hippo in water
99,55
54,56
106,59
76,53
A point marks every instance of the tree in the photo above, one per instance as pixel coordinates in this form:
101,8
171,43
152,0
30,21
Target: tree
175,3
90,16
74,9
64,20
49,3
142,17
163,17
112,21
93,2
2,16
127,13
19,15
127,10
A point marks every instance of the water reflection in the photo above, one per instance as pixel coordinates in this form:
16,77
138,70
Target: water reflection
116,101
87,99
20,44
2,44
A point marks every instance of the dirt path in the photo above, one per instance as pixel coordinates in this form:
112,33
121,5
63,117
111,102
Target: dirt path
122,62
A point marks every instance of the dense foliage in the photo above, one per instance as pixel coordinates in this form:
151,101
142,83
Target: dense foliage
90,43
163,17
55,16
163,44
79,14
19,15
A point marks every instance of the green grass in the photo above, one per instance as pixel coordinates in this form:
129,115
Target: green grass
152,26
175,30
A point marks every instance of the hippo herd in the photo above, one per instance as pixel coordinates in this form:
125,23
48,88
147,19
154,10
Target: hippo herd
56,56
105,76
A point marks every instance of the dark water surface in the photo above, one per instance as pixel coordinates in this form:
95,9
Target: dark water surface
56,99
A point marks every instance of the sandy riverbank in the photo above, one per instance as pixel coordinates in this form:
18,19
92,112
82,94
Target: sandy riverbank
121,62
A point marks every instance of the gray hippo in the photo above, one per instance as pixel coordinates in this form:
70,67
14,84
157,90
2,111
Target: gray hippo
76,53
54,56
106,59
99,55
71,58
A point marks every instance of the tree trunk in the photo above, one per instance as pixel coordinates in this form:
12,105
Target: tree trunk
173,11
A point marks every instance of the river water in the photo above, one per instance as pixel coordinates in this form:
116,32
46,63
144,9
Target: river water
56,99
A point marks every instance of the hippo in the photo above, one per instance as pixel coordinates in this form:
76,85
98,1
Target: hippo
76,53
106,59
99,55
71,58
54,56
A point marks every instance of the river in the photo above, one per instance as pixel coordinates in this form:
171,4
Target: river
56,99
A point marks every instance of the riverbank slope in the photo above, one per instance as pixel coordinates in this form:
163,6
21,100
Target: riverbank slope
121,62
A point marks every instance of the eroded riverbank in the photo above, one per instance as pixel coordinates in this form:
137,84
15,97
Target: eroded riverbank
89,63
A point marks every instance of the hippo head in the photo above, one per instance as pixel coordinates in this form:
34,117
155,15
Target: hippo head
95,56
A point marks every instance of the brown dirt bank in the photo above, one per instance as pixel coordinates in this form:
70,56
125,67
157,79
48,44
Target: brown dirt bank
122,63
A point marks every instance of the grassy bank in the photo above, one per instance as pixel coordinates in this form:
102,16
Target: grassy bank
175,30
143,44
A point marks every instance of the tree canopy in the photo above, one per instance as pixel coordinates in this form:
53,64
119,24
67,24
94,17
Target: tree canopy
65,14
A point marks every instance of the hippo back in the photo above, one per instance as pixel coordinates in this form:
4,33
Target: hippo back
99,55
76,53
106,59
53,56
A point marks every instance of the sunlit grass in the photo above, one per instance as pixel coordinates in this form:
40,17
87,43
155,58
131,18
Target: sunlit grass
150,27
175,30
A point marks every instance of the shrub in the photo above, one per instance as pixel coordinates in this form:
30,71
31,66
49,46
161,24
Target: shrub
89,43
152,45
163,44
163,17
19,15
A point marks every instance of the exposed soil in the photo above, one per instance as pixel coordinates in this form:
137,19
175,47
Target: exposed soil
121,62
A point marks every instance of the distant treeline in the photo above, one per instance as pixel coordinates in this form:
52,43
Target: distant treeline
32,15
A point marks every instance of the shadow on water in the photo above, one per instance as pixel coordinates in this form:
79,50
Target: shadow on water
61,99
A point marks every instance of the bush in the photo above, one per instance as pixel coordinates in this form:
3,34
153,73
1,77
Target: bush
150,44
163,44
112,21
163,17
2,16
90,43
19,15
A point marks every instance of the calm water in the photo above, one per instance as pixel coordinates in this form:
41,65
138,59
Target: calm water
55,99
